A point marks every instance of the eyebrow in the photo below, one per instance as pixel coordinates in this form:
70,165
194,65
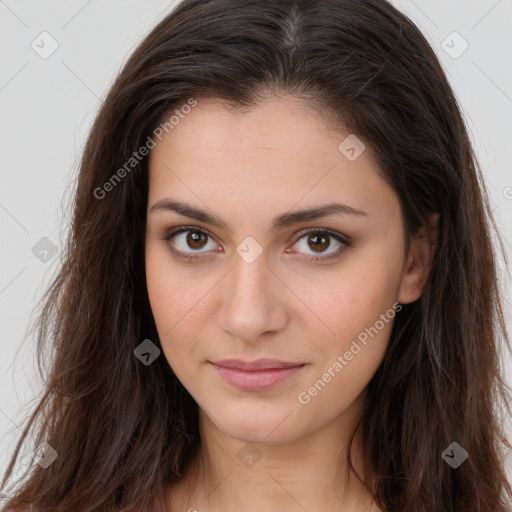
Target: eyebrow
279,222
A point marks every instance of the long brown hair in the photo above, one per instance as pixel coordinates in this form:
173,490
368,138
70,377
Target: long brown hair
124,431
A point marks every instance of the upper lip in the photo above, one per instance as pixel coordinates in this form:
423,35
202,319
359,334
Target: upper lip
260,364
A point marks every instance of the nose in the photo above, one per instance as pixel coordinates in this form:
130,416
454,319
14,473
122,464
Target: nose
253,301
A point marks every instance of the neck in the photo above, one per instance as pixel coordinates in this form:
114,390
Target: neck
307,473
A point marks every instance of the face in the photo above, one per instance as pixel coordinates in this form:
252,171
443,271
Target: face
251,278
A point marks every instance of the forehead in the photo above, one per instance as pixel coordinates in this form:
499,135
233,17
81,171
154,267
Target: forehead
214,126
280,150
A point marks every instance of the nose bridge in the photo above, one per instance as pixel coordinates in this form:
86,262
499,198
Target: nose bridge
249,277
250,304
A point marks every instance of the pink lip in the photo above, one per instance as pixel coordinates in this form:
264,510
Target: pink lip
255,375
260,364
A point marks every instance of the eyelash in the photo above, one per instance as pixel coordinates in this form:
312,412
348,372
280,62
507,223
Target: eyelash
345,241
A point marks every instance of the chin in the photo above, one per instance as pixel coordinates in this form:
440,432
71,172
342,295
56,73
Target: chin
274,427
257,434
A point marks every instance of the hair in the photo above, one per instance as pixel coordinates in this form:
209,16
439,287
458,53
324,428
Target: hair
124,431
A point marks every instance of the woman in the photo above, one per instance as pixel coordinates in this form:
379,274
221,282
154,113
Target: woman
279,290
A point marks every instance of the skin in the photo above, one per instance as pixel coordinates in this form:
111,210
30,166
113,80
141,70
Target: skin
247,167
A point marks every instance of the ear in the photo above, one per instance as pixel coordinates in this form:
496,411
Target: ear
419,260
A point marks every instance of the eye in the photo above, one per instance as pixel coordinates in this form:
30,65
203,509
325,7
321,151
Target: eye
190,239
319,240
187,240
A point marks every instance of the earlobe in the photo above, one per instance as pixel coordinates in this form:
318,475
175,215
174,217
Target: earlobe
419,261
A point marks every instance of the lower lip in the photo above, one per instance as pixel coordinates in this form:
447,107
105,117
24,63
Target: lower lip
257,379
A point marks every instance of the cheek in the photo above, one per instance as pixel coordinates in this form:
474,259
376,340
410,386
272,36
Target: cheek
353,298
159,286
361,315
173,293
178,300
358,309
172,313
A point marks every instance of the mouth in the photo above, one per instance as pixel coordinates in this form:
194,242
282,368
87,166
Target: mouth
255,375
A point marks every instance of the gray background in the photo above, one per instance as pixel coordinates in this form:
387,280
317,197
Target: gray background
47,106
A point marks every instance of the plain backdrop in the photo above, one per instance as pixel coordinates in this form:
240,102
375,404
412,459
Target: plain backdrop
48,102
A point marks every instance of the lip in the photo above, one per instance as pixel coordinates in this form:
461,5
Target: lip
255,375
259,364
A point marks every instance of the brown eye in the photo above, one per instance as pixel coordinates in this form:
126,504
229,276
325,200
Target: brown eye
188,243
318,242
196,239
188,240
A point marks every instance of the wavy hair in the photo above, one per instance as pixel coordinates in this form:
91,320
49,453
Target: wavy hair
124,432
